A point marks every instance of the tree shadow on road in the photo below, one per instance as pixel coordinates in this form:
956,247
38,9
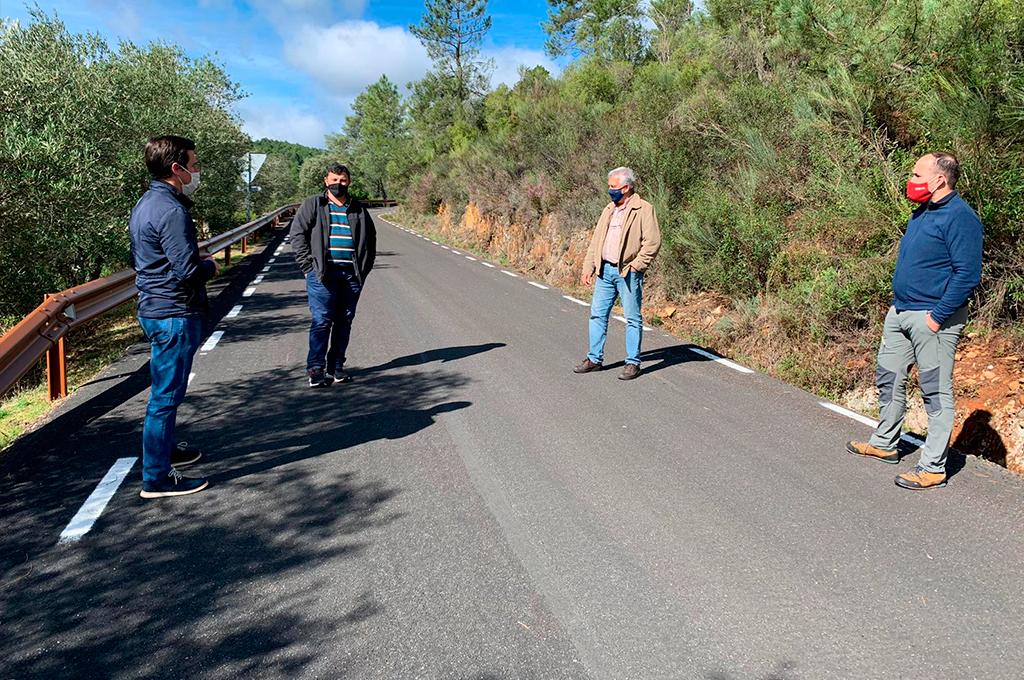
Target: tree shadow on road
227,583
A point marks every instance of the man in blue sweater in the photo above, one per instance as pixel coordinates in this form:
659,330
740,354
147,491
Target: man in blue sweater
171,277
937,269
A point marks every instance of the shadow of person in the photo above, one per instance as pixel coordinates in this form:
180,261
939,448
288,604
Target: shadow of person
393,423
977,436
442,354
665,358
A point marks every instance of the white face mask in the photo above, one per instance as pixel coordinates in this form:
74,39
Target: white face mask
192,185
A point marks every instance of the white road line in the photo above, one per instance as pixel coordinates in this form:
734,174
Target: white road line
249,291
190,376
234,312
534,283
266,269
647,328
435,243
212,341
97,501
272,260
515,276
487,264
725,362
913,439
621,318
456,252
579,302
258,279
471,258
446,247
849,414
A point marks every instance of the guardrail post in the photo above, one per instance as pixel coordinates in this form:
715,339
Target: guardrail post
57,370
227,256
245,243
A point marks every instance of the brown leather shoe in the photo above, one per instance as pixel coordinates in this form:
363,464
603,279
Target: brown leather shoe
629,371
863,449
587,366
920,479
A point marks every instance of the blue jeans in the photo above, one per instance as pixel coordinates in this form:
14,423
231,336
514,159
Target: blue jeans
173,344
332,306
608,286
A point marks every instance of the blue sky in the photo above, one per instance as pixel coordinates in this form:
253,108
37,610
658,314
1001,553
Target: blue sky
302,62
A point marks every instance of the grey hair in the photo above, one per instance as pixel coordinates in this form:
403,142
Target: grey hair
627,174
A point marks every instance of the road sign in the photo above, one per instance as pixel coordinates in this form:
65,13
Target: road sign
251,164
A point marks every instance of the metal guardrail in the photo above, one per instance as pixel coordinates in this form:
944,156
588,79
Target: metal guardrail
42,331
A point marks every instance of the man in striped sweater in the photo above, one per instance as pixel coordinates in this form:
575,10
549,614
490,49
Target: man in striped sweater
335,244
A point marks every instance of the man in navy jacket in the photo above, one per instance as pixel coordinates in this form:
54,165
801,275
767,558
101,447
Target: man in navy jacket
937,269
171,277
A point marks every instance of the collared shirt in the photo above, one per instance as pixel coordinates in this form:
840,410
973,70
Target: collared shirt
613,239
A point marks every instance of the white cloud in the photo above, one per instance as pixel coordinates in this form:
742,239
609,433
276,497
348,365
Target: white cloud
507,61
280,119
347,56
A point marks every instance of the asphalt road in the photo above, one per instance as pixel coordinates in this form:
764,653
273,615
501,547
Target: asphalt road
469,508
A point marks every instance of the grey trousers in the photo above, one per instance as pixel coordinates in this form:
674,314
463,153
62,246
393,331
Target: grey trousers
906,340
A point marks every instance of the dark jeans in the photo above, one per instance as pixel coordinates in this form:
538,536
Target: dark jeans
332,306
173,343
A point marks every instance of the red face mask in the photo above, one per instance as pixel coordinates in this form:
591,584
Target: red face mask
918,192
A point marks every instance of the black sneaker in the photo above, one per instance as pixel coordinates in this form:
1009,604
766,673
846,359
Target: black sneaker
174,484
339,375
317,378
182,455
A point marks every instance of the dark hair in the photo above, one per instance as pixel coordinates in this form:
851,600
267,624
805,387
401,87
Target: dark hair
948,166
161,152
337,169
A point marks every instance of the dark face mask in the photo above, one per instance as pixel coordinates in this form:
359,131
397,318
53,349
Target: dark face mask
616,195
338,190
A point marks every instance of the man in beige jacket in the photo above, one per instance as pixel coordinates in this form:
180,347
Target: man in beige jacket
624,244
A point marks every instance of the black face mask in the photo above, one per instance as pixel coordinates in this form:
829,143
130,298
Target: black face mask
338,190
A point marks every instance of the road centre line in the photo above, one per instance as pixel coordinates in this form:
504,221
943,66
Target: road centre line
487,264
249,291
579,302
507,273
534,283
234,312
212,341
725,362
97,501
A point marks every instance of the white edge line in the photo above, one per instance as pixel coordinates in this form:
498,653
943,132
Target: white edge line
97,501
190,376
234,312
470,258
647,328
725,362
248,291
258,279
487,264
579,302
272,260
913,439
534,283
212,341
266,269
446,247
515,276
620,318
849,414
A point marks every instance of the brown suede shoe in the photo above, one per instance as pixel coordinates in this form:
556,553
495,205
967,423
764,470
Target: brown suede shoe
629,371
920,479
868,451
587,366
